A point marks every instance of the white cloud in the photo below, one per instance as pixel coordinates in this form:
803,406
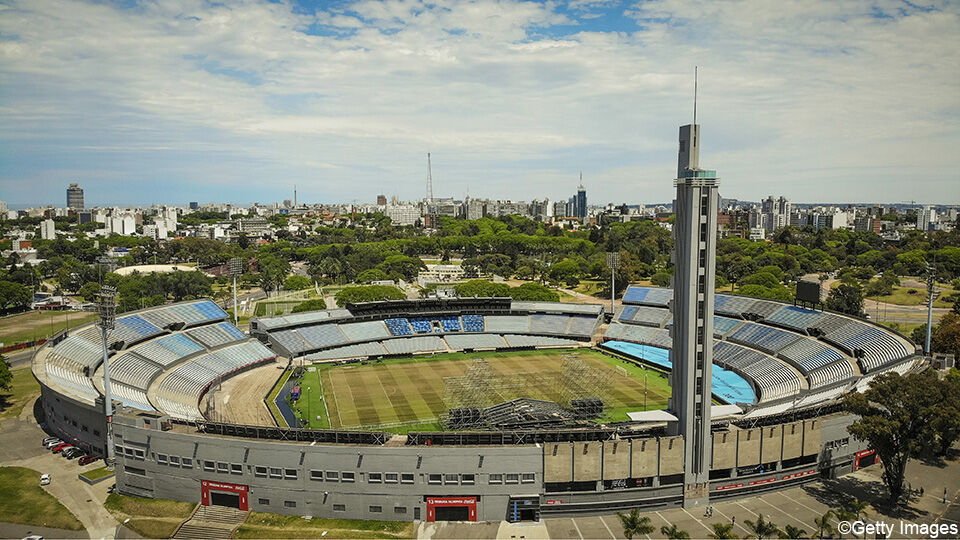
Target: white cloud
796,97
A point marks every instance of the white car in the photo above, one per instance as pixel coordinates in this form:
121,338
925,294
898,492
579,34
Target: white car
44,479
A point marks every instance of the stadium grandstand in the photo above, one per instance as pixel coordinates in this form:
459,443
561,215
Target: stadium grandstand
778,375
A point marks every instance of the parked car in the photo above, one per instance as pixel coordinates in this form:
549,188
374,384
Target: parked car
63,446
53,443
44,479
48,439
87,459
72,452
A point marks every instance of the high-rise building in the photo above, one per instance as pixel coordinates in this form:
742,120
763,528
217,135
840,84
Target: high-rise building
695,244
580,205
381,200
75,197
194,205
925,216
48,230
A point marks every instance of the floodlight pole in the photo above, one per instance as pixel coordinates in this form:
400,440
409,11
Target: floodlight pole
108,313
613,261
931,275
236,268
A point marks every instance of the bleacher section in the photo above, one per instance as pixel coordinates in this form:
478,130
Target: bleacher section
214,335
537,341
412,345
774,380
507,323
359,350
765,338
809,355
421,325
582,326
645,315
879,347
542,323
132,370
795,318
399,327
365,331
321,336
723,325
450,324
472,323
650,296
179,391
132,329
458,342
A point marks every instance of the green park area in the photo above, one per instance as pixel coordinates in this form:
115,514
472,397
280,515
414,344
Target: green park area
23,388
150,518
23,501
265,525
35,325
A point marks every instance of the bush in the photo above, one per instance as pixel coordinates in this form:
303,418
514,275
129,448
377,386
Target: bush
661,279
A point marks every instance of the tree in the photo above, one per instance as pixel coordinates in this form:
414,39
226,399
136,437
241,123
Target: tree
946,335
761,527
297,283
844,513
722,531
89,291
790,532
896,419
661,279
368,293
946,425
372,274
6,377
858,507
673,533
14,295
309,305
634,524
824,524
846,298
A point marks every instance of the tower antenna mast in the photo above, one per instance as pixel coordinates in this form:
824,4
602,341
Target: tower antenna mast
429,180
695,95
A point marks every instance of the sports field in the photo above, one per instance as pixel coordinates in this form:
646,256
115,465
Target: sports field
408,394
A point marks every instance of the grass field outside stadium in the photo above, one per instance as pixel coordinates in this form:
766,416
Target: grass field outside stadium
407,394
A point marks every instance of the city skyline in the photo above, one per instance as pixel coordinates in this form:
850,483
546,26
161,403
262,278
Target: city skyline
810,101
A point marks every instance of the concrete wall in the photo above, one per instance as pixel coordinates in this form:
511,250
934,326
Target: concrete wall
616,460
557,462
587,461
724,450
671,455
771,442
644,458
792,440
748,447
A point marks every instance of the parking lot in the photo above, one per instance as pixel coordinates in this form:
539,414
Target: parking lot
20,440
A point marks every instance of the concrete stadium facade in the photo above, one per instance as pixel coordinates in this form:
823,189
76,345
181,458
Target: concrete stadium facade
472,476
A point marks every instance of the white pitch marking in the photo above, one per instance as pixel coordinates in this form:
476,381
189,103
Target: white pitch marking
608,528
577,528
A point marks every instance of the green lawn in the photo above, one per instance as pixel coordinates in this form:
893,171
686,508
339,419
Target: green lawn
266,525
402,395
23,501
905,296
271,404
23,388
39,325
150,518
96,474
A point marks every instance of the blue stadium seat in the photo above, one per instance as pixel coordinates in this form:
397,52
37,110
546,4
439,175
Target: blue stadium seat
473,323
399,327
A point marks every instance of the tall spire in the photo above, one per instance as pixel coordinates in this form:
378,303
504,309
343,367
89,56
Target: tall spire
695,68
581,180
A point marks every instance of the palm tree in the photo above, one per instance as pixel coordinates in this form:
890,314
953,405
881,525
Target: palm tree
844,514
673,533
858,507
823,524
722,530
633,523
762,528
790,532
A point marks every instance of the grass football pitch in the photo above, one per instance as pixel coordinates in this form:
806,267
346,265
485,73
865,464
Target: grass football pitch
407,394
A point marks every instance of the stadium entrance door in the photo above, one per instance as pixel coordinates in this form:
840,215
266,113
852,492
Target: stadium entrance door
523,508
451,508
223,494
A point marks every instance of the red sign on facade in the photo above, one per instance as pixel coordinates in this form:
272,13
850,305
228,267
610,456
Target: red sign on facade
467,503
238,489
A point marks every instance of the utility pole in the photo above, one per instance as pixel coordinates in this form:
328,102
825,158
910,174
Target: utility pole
613,261
236,269
108,318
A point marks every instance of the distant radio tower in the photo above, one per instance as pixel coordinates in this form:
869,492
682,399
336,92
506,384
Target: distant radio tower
294,195
429,181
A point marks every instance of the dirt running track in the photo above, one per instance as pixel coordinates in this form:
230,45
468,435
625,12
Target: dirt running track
240,398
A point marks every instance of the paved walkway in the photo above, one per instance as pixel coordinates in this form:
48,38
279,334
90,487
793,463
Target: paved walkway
20,440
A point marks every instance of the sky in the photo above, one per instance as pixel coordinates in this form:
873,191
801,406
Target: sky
186,100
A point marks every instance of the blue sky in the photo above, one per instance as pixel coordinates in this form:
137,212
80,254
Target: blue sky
171,102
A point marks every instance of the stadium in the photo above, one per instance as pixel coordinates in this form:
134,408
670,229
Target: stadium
467,409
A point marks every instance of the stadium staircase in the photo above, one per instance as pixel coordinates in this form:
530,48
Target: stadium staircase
211,522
